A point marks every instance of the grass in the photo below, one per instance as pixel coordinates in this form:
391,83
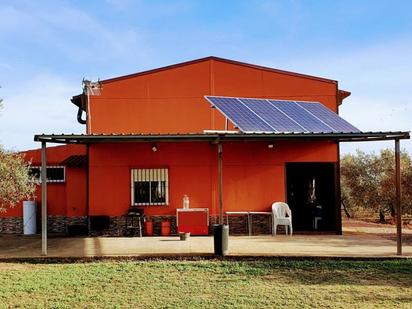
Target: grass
208,283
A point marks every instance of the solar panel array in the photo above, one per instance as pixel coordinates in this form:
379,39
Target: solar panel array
279,116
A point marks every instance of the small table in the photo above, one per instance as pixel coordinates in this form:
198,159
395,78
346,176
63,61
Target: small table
249,215
268,213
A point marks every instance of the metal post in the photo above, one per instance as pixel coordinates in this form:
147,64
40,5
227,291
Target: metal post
220,175
398,198
43,199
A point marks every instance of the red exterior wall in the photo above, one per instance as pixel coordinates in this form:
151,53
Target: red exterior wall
67,198
253,174
172,100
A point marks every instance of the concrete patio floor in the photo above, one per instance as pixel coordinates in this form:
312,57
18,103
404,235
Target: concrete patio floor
360,239
281,245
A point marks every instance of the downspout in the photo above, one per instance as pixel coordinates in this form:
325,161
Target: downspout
79,116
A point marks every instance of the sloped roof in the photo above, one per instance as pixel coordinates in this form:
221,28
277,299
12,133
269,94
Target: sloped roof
78,99
234,62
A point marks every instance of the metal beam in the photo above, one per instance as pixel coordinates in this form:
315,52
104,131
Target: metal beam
43,199
220,175
198,137
398,198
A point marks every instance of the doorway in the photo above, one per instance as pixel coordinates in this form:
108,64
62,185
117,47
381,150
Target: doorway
311,195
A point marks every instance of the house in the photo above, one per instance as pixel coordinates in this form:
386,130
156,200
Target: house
152,137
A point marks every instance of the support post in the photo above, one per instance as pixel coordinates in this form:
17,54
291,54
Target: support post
43,199
220,175
398,198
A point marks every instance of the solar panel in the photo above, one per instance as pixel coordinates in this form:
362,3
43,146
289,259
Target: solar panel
262,115
277,120
240,115
309,122
328,117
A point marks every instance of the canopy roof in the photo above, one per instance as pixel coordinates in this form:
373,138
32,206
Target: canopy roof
218,137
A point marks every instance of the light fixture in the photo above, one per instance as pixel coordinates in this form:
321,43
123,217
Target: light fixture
270,146
154,147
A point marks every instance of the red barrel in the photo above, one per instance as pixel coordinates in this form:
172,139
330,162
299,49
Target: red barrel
148,228
165,228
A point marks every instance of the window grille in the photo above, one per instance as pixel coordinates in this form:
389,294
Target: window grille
150,186
53,173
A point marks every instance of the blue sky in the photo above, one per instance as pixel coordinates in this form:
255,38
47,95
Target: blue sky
47,47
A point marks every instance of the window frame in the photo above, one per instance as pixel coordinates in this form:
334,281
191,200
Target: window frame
50,167
152,171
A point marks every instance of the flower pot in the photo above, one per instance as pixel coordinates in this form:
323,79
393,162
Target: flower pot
184,236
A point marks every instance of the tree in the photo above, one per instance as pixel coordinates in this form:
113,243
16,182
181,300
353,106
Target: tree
367,182
16,184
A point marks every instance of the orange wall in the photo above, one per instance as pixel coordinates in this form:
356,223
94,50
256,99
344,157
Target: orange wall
68,198
253,174
172,100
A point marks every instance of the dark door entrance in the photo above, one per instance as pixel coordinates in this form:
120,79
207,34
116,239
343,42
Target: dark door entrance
311,195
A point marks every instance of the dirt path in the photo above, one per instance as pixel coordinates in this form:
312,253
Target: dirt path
387,231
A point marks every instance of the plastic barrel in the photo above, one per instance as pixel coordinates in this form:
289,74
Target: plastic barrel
148,228
165,228
29,217
221,239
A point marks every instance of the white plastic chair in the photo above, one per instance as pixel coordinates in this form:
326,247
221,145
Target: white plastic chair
281,215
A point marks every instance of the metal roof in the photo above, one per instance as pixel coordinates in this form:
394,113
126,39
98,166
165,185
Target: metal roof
218,137
219,59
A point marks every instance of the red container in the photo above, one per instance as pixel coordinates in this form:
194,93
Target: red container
165,228
148,228
193,220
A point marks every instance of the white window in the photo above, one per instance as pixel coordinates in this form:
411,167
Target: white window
150,186
53,173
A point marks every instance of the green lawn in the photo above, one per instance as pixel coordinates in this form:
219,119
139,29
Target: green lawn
208,283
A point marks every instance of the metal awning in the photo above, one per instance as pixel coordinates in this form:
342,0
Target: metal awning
218,138
222,137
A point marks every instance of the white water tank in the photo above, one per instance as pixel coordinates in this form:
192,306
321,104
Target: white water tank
29,217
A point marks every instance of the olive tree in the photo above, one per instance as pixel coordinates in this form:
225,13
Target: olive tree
367,182
16,184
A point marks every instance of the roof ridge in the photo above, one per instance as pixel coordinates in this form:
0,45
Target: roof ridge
234,62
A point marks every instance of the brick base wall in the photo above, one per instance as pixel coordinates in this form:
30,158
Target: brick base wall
59,224
237,225
117,227
55,224
11,225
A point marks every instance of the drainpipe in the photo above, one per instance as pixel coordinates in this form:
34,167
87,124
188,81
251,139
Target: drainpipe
79,116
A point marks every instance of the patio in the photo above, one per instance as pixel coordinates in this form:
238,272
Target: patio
359,240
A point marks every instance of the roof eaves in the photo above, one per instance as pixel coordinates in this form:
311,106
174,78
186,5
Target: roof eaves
355,136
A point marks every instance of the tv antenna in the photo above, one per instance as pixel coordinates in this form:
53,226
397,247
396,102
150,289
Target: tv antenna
91,88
